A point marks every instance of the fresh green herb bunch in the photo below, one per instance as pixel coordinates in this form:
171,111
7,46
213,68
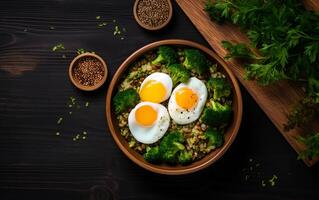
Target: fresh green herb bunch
286,36
312,142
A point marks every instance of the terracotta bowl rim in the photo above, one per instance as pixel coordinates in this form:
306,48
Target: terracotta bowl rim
196,166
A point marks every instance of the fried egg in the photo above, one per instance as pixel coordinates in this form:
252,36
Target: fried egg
148,122
156,88
187,101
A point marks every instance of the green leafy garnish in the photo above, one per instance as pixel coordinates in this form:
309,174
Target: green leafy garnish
286,36
312,142
58,47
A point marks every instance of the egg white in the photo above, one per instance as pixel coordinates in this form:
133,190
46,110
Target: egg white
185,116
163,78
149,134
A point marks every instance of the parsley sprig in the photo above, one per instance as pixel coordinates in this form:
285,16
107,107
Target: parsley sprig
286,36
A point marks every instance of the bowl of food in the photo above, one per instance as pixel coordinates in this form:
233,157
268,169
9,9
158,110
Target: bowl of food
173,107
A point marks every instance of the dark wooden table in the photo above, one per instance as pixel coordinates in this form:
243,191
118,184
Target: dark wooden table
35,163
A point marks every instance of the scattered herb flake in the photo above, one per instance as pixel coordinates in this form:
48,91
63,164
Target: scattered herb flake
117,31
87,104
98,17
60,120
273,180
57,133
102,24
58,47
80,51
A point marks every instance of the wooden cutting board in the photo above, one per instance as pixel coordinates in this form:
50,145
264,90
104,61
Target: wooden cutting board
275,100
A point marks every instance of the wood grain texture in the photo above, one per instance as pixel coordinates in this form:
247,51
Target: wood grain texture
34,90
276,100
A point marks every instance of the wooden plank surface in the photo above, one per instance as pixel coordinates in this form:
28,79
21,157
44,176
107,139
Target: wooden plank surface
276,100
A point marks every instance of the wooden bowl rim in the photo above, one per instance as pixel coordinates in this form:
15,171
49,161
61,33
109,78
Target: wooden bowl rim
77,84
150,28
176,170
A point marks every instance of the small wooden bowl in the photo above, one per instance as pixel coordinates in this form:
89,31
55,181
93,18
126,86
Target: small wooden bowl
150,28
210,158
83,87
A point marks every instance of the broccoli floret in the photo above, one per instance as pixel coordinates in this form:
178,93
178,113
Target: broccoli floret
153,155
178,73
220,87
184,157
195,60
217,114
171,144
125,99
166,55
215,138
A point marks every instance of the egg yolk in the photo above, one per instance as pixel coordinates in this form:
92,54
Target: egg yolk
153,91
145,115
186,98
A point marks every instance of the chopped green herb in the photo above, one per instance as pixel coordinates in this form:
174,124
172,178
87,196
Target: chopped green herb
58,47
72,99
83,138
98,17
70,113
57,133
114,20
102,24
117,31
80,51
52,28
85,133
273,180
87,104
60,120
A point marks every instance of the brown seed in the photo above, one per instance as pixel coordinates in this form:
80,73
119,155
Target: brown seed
153,13
88,71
